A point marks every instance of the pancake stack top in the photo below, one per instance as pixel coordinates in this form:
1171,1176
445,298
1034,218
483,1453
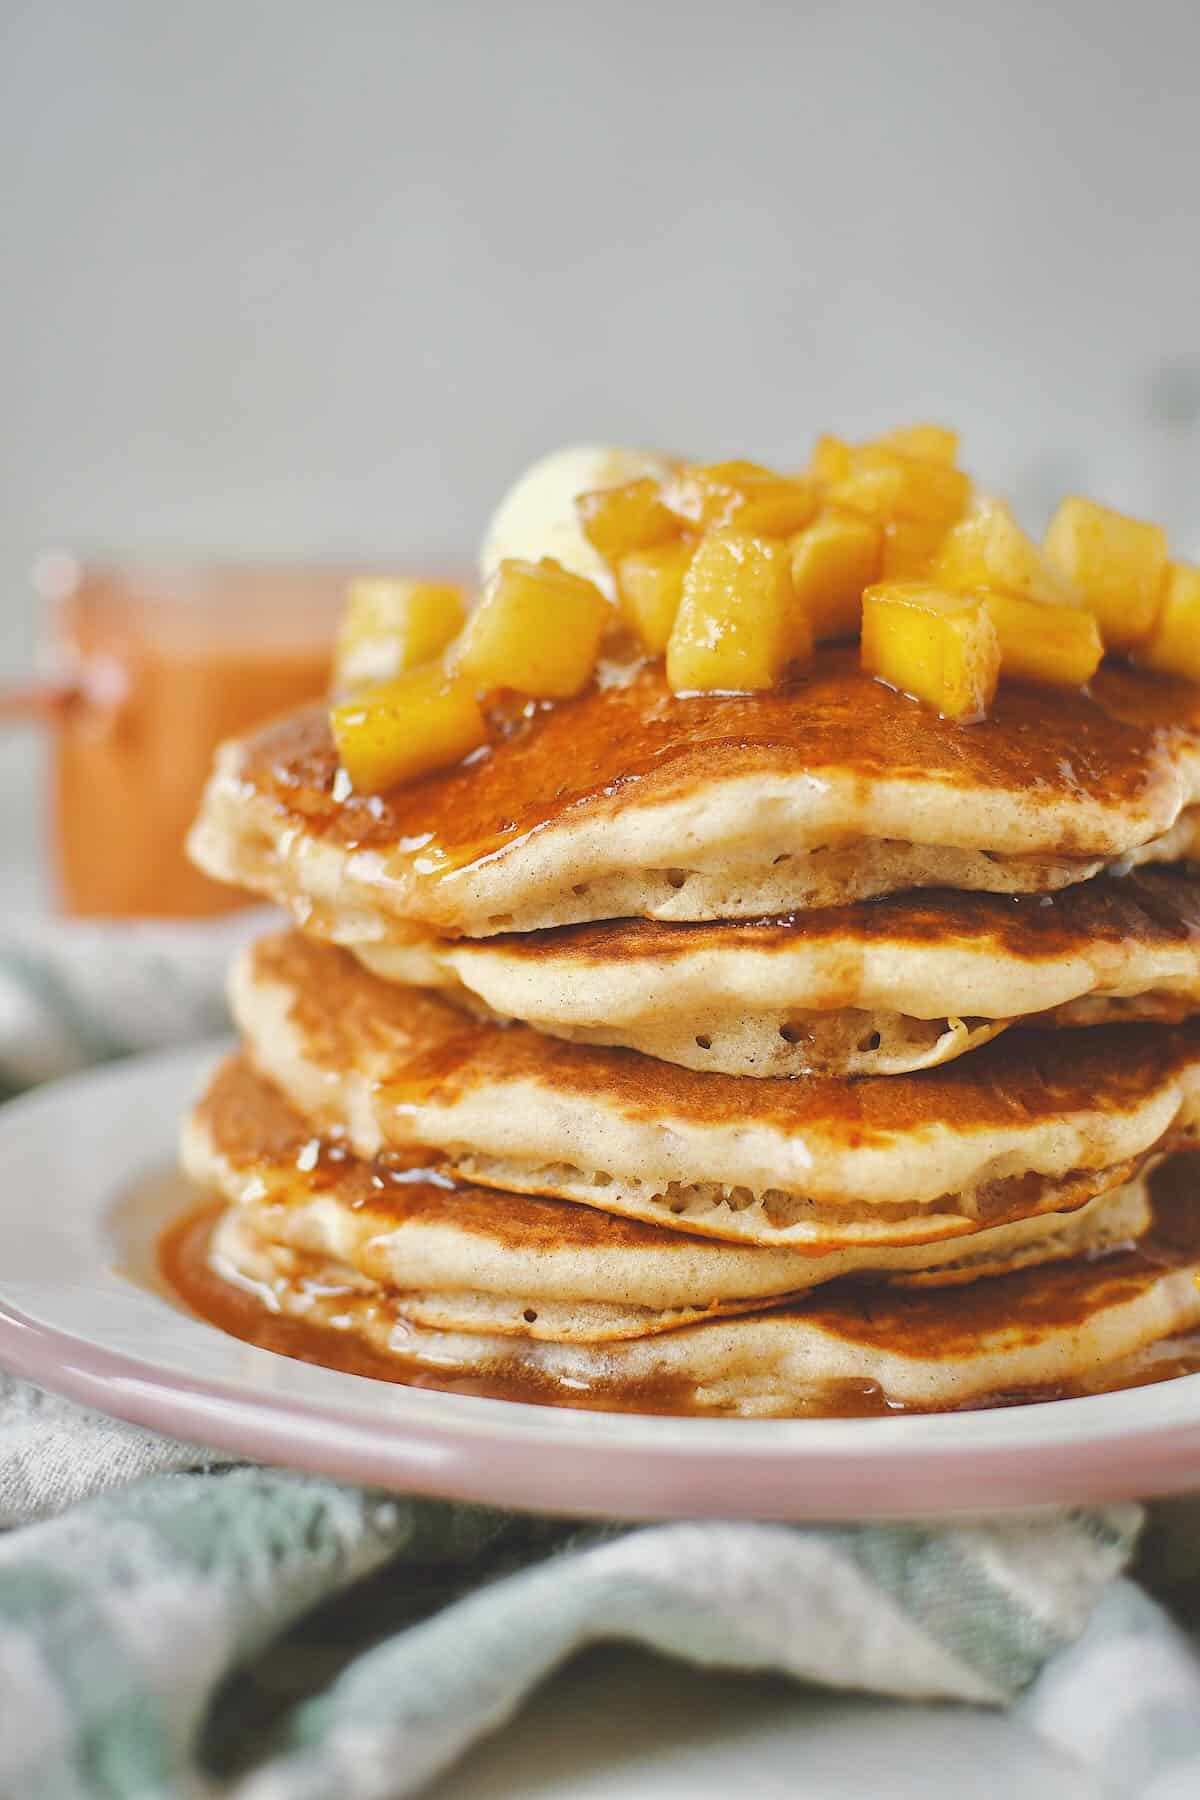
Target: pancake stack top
662,961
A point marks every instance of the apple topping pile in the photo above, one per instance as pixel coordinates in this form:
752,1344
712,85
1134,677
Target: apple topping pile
733,573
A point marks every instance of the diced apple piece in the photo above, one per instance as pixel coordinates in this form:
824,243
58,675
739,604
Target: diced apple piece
1173,647
909,548
425,719
738,626
1039,641
830,460
989,549
620,519
650,588
1117,564
390,624
833,560
940,648
929,443
889,485
742,497
537,629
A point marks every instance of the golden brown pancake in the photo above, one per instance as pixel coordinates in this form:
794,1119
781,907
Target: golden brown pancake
1034,1122
631,801
882,987
476,1259
1079,1326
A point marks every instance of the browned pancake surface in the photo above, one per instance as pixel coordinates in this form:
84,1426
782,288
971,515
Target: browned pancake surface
253,1127
1154,907
434,1049
640,744
950,1321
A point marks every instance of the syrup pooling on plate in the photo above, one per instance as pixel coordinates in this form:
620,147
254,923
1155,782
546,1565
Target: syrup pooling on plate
939,1323
185,1259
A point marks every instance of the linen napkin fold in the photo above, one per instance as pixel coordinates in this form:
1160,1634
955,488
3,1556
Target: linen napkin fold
156,1600
75,992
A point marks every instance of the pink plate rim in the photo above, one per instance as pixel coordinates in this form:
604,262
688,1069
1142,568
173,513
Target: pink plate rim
588,1480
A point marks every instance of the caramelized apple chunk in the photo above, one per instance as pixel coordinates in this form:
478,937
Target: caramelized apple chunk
738,626
1173,646
390,624
1117,564
833,560
650,588
909,549
620,519
830,459
425,719
537,629
988,549
741,496
930,443
889,485
938,647
1058,645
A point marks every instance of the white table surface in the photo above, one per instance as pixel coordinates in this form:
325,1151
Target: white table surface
620,1724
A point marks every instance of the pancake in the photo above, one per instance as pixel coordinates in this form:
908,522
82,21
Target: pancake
632,802
1078,1326
878,988
473,1259
1035,1122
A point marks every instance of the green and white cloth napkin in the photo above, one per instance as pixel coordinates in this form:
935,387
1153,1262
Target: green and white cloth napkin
173,1625
74,993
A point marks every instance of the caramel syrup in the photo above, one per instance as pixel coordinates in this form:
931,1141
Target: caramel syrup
1063,1293
185,1263
1117,743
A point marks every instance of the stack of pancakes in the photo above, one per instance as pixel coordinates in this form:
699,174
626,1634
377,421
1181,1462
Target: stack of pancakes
773,1053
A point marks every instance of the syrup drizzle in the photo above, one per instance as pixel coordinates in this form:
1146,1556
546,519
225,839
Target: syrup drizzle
1117,743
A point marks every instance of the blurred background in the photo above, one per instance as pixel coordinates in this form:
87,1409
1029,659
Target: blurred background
285,277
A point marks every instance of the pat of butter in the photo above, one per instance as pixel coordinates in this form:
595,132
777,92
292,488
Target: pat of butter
537,516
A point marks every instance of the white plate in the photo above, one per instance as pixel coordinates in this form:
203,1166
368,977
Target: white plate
86,1175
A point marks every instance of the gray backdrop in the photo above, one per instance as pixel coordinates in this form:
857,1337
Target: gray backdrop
292,276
